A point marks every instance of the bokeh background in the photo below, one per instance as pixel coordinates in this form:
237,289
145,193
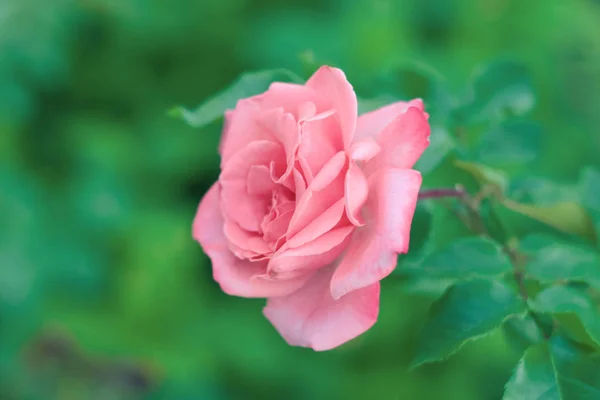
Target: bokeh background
103,293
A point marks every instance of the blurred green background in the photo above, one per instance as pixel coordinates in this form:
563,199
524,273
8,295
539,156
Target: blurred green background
103,293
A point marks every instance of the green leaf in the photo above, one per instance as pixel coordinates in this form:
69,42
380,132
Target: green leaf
564,299
494,225
467,258
541,191
466,311
568,217
410,80
421,227
503,87
551,260
249,84
521,331
511,143
441,144
534,378
577,371
484,175
589,186
560,370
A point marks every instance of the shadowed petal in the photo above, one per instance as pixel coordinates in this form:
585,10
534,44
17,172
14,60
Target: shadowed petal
356,193
310,317
373,249
235,276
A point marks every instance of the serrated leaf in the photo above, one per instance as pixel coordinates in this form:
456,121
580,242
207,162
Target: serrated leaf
511,143
467,258
559,370
249,84
551,260
500,88
577,370
466,311
570,299
534,377
484,175
521,331
568,217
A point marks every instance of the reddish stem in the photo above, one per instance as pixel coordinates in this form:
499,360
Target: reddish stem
440,193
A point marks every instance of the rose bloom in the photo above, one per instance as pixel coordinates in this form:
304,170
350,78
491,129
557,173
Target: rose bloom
312,205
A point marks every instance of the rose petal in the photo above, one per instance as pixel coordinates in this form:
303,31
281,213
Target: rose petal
299,183
372,250
372,123
241,128
318,226
316,254
332,84
233,275
329,172
261,152
247,213
277,228
306,110
310,317
324,190
402,142
259,180
244,244
320,141
290,96
364,149
284,128
356,193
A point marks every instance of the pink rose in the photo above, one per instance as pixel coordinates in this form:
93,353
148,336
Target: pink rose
313,205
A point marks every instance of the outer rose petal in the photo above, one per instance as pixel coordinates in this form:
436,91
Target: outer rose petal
402,142
236,276
240,129
372,250
310,317
332,84
372,123
290,97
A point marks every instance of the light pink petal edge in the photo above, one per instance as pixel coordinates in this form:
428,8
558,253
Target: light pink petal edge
235,276
373,249
310,317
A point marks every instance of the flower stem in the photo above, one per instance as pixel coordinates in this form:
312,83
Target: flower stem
440,193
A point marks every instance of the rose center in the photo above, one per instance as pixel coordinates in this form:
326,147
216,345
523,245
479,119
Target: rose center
278,216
